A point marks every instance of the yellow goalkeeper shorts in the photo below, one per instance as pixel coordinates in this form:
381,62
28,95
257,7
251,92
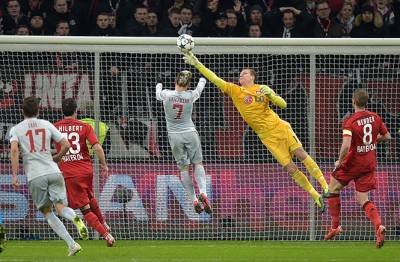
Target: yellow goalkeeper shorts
282,142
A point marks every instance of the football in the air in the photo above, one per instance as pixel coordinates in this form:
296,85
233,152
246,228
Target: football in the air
185,42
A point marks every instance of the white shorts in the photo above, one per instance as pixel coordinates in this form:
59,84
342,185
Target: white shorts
186,148
48,189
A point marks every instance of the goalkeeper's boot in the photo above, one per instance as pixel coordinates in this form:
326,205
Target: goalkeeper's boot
326,193
333,232
2,238
320,204
82,229
206,204
198,207
76,248
110,240
380,236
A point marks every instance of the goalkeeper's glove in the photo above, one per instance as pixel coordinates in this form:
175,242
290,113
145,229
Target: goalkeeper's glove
266,90
190,58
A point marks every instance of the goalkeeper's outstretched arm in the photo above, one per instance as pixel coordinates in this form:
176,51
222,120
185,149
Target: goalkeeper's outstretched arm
191,59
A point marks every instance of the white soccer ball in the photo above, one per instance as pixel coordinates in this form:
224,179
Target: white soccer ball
185,42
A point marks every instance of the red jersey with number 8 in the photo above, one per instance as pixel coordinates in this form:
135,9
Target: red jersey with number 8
363,127
77,160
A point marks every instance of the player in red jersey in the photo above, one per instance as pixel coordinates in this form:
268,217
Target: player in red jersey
77,168
357,161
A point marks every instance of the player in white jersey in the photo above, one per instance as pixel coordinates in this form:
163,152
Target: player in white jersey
32,137
183,137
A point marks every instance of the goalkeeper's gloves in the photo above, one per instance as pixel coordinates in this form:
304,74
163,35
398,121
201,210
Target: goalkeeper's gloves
190,58
266,90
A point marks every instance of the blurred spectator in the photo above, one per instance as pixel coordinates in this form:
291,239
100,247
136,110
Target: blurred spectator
152,24
103,27
236,23
385,9
136,25
121,9
345,19
221,26
335,6
255,17
209,10
254,31
324,26
395,28
61,12
22,30
112,19
13,17
37,6
172,25
37,23
310,7
187,27
288,23
62,28
368,24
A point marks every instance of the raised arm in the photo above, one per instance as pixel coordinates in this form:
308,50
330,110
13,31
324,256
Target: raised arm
199,88
158,92
191,59
273,97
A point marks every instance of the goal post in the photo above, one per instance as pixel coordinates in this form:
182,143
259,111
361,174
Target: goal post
113,80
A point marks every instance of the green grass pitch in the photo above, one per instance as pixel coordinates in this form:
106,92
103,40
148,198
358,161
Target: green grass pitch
201,251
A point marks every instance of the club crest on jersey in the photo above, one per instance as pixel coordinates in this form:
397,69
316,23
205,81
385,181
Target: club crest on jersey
248,99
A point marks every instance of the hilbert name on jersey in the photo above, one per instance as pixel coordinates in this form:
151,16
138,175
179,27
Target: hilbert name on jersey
70,128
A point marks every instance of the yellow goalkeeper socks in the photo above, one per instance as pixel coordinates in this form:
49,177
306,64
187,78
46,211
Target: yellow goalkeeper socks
315,172
303,182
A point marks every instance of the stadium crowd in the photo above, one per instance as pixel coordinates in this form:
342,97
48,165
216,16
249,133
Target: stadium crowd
202,18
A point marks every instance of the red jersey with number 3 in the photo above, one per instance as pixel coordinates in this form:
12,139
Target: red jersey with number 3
363,127
77,161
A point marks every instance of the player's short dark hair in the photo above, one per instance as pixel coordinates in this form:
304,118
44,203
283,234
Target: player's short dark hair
183,78
30,106
69,106
360,97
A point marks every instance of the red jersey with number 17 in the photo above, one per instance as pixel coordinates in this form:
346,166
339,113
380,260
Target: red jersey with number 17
363,127
77,161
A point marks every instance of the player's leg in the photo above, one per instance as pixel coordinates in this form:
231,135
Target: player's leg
180,154
312,168
58,196
2,234
94,206
334,208
193,147
39,189
364,185
302,181
94,223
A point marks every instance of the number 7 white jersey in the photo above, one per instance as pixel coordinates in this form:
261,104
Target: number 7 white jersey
178,107
34,137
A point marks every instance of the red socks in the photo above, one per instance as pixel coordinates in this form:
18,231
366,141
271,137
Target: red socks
94,222
95,209
372,213
334,209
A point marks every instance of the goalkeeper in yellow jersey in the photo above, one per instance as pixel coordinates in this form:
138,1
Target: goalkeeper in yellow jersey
252,102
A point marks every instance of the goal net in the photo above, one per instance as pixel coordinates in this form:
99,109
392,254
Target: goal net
252,198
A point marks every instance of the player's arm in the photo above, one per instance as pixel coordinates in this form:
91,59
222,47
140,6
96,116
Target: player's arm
191,59
64,147
199,89
383,138
344,149
273,97
14,155
159,91
98,150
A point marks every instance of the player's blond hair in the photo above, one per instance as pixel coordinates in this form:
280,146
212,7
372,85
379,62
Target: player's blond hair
183,78
360,97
